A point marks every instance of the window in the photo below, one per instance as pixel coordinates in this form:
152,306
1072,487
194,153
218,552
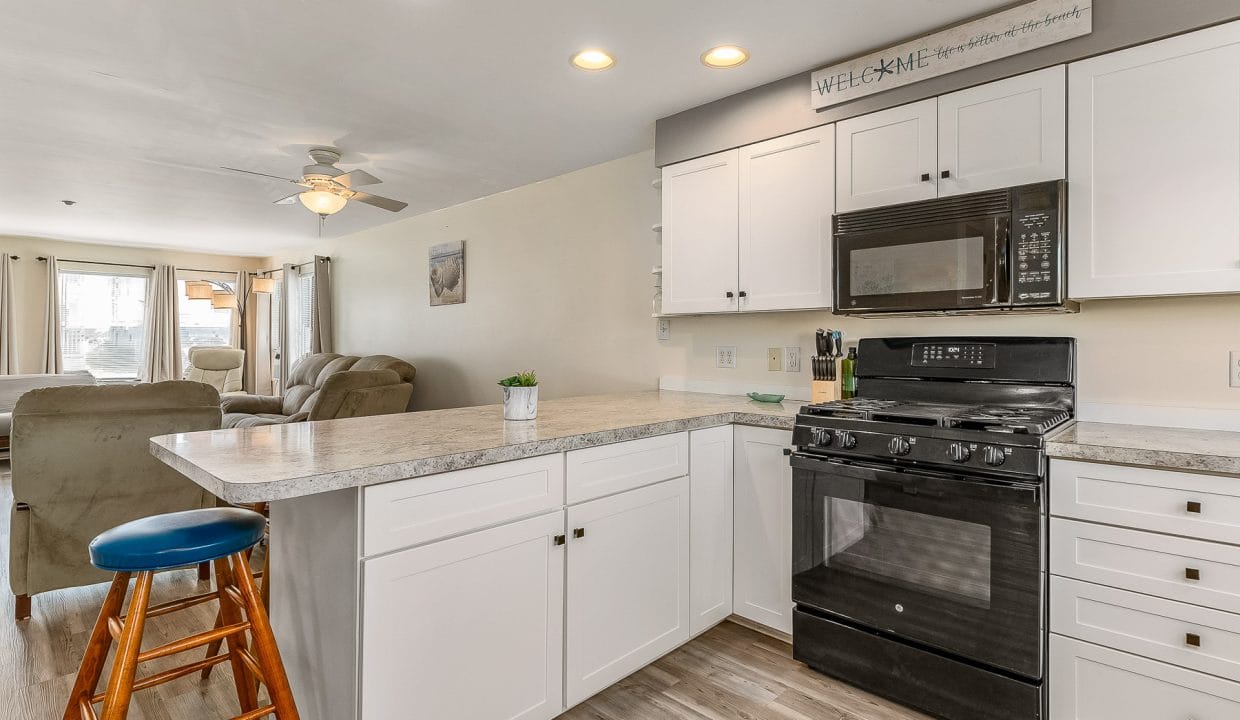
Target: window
102,322
200,323
305,300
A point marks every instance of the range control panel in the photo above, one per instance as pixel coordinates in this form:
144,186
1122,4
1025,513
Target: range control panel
1037,242
954,355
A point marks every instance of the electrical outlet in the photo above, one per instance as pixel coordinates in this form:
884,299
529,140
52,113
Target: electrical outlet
774,359
663,329
792,359
725,356
1233,372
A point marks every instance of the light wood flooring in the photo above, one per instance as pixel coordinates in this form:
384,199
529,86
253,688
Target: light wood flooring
729,673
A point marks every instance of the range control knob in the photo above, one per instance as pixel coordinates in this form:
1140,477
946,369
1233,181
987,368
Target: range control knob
958,452
899,446
993,456
846,439
820,436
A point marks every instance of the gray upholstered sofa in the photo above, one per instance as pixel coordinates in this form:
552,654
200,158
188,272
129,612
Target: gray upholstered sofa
327,386
13,387
82,464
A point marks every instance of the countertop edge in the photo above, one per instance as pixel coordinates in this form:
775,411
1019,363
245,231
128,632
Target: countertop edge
1160,459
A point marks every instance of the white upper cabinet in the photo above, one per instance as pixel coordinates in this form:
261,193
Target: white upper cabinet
700,234
888,157
787,196
1154,168
1003,134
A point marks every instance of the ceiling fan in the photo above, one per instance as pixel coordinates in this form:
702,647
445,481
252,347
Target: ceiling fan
329,188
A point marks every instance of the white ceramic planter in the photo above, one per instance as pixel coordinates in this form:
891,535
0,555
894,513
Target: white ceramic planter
520,403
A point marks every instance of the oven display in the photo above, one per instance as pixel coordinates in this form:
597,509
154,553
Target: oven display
954,355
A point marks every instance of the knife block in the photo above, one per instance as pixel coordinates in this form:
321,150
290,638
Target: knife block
821,391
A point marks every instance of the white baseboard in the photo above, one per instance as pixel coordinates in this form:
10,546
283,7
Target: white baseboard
1161,415
683,384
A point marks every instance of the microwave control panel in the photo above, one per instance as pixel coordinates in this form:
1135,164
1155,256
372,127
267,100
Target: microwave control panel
1037,245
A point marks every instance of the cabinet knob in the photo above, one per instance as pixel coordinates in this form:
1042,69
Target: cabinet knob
1193,506
579,532
743,294
925,177
1192,639
945,174
558,540
1192,574
728,294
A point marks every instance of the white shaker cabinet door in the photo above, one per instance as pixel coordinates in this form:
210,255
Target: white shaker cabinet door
710,527
888,157
762,586
787,197
699,235
480,611
628,584
1005,133
1154,168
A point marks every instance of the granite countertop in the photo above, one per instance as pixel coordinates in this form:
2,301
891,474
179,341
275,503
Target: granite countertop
278,462
1215,451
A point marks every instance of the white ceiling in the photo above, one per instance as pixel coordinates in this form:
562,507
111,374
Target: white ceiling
130,106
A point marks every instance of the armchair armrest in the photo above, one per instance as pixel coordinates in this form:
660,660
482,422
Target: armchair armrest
355,393
251,404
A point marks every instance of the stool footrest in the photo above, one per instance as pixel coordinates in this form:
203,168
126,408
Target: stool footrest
255,714
181,604
168,675
193,641
87,711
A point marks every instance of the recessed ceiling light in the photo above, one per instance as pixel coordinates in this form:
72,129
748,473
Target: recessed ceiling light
724,56
593,60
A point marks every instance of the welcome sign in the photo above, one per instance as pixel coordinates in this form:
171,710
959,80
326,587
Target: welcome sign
1010,32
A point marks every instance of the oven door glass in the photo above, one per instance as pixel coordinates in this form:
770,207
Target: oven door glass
948,266
942,560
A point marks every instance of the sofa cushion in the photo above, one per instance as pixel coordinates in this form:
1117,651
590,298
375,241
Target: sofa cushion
12,387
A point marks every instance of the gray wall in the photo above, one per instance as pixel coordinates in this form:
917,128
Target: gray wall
783,106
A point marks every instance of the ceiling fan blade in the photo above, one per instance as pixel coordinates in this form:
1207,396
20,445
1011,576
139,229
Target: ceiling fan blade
251,172
290,200
357,178
380,202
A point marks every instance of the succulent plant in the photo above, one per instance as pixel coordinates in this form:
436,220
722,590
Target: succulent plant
525,378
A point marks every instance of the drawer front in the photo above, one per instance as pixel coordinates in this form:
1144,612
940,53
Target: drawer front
419,510
1192,571
1088,682
1148,626
1199,506
608,469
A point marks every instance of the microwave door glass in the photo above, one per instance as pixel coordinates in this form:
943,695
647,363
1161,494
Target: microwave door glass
956,266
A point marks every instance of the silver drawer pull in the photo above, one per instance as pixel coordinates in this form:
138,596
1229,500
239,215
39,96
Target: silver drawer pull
1192,639
1193,507
1192,574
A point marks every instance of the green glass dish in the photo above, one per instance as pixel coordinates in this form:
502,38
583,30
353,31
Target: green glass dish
765,398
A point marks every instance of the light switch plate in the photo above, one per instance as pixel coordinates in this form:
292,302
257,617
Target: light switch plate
792,359
725,356
1233,368
774,359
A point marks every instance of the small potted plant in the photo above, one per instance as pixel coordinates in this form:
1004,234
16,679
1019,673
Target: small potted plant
520,396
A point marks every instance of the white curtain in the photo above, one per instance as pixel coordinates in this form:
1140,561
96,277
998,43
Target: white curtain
162,345
8,329
52,362
321,307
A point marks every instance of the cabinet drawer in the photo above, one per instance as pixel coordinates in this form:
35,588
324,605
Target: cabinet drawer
1088,682
1200,506
1192,571
418,510
608,469
1148,626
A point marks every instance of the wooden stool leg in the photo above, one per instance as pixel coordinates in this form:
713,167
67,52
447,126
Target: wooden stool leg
265,642
247,695
97,648
125,665
213,648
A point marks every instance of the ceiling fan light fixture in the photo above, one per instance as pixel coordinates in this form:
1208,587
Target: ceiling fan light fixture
593,60
725,56
198,290
322,201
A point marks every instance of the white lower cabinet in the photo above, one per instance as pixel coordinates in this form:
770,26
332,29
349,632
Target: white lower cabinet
628,584
1091,682
469,628
710,527
762,501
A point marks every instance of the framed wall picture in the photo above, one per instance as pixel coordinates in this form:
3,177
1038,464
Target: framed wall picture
447,273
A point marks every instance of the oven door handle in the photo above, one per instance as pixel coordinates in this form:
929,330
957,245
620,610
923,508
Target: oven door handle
907,482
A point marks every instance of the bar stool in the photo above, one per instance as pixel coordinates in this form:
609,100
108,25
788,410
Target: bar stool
218,535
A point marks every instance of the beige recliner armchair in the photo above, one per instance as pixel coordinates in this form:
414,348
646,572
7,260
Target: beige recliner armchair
327,386
219,367
82,464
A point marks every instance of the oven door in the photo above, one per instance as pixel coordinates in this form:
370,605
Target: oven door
949,562
957,265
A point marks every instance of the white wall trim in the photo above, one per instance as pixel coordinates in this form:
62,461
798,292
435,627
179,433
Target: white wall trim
1162,415
683,384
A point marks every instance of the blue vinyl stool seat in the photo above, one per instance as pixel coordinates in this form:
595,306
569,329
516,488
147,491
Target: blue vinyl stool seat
172,540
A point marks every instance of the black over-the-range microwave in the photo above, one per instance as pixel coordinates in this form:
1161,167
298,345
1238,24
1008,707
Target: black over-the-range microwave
993,251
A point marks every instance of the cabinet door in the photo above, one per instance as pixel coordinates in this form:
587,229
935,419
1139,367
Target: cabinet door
787,196
1005,133
1154,168
888,157
699,234
628,584
483,610
710,527
762,586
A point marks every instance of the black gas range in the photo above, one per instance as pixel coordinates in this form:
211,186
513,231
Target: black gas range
919,523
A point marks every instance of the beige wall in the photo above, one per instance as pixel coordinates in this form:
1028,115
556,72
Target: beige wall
557,280
30,278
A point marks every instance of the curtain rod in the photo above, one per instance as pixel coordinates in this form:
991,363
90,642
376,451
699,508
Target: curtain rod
298,265
148,267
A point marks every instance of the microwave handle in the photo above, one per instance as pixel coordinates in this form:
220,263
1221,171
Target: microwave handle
1000,291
